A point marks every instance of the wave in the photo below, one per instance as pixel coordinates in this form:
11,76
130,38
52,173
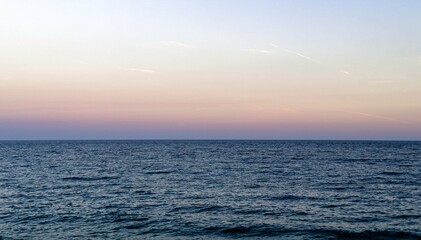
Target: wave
89,178
392,173
406,216
292,197
261,231
159,172
200,209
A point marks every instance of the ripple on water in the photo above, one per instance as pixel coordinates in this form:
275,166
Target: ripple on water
210,189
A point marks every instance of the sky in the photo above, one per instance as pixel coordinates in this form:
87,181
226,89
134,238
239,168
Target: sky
220,69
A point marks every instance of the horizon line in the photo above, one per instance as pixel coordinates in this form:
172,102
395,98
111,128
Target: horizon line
210,139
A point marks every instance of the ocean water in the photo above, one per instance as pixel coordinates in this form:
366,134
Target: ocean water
210,190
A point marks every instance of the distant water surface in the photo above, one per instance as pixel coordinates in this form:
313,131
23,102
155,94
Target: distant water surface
210,189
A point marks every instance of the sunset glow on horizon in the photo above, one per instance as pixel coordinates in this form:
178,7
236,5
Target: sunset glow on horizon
187,69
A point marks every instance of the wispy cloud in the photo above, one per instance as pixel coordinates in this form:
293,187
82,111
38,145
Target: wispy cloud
140,70
303,56
276,46
176,44
307,58
297,54
258,50
375,116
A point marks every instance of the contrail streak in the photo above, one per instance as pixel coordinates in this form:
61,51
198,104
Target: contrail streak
307,58
377,116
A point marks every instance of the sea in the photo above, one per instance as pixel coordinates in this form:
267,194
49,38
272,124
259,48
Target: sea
210,189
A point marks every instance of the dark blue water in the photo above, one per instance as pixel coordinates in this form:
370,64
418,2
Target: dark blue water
210,189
